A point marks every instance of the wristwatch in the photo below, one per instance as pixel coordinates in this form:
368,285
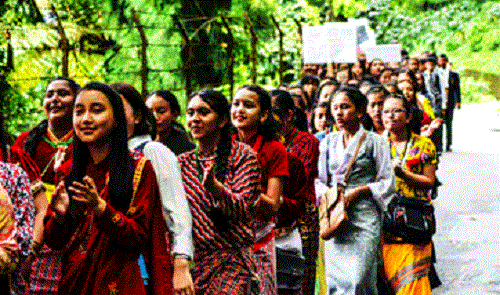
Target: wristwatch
184,256
187,257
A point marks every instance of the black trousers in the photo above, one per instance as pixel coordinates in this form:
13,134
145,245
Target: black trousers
448,121
437,138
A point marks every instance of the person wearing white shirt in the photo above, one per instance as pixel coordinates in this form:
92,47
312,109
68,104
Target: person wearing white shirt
140,126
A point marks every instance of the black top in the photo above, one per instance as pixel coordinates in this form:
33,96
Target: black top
178,140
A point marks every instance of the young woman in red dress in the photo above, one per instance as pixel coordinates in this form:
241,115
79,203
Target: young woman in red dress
222,182
47,144
251,114
102,209
306,147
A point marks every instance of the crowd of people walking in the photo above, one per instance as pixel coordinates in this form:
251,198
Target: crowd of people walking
111,195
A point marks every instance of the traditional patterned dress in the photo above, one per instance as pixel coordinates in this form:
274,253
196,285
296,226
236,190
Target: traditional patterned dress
306,147
101,252
19,157
46,272
16,182
223,226
351,256
407,266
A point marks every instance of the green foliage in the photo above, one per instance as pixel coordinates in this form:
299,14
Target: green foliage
20,11
475,91
466,30
423,29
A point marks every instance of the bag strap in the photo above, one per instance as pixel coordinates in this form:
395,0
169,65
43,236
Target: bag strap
328,175
140,148
351,164
135,183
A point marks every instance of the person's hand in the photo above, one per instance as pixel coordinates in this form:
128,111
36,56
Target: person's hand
443,113
59,157
182,280
210,182
264,210
86,194
435,125
60,200
209,177
459,105
424,130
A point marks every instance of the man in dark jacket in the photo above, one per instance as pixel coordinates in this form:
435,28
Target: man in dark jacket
433,87
453,97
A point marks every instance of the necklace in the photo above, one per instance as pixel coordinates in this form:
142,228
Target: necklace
54,142
404,153
291,141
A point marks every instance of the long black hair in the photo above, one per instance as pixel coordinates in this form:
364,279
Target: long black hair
147,123
269,128
120,162
5,140
218,102
36,134
168,97
284,103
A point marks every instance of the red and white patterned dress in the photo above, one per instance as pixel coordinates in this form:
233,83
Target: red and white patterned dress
223,226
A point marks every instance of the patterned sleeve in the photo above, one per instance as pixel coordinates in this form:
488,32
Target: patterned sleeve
311,158
18,187
240,199
428,155
9,248
19,157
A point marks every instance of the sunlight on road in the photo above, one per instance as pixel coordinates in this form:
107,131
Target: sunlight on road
477,128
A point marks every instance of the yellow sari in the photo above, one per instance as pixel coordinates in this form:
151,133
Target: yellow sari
407,266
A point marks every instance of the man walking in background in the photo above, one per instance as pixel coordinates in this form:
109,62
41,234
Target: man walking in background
450,86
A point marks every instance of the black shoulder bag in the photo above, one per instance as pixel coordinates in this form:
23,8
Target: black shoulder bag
409,220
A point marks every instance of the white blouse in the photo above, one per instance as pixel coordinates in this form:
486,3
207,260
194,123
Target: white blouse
175,205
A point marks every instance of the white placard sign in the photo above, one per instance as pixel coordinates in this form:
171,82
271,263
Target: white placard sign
332,42
387,53
365,35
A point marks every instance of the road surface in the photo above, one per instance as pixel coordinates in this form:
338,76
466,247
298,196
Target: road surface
468,206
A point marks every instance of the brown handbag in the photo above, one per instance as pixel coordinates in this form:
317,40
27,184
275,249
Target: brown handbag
332,210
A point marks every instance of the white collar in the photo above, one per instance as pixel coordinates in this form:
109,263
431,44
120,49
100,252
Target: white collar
137,140
353,143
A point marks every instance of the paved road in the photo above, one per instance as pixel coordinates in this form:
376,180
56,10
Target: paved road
468,206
